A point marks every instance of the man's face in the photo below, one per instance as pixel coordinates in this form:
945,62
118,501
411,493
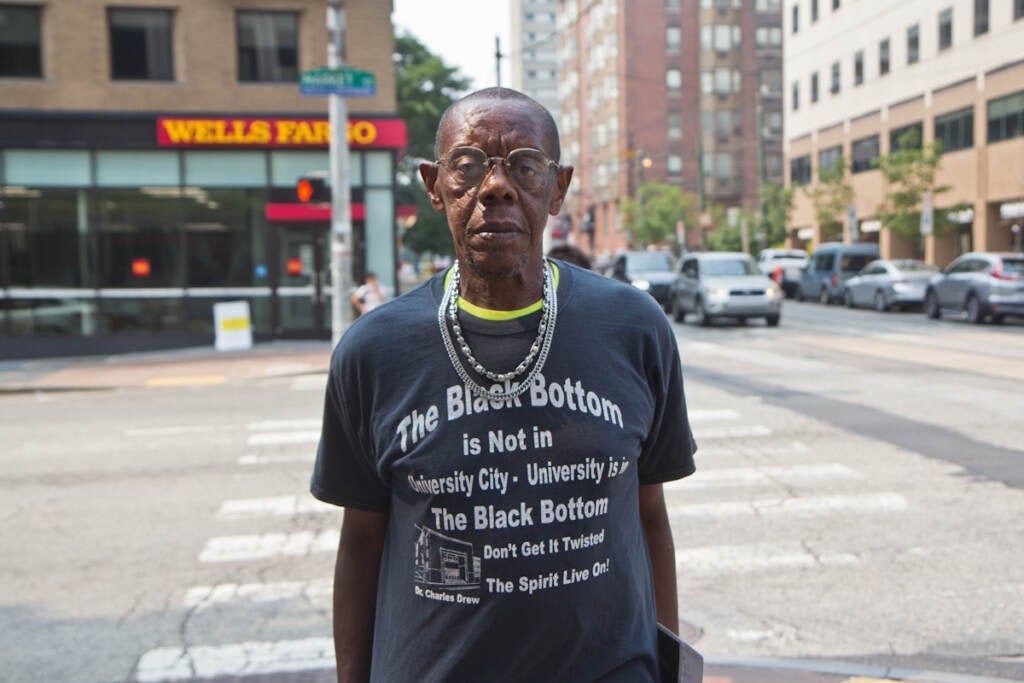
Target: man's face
497,225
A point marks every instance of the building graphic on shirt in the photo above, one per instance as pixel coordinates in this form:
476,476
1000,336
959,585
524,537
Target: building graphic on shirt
442,561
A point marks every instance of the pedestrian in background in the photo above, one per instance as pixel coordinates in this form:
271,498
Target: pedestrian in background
570,254
368,295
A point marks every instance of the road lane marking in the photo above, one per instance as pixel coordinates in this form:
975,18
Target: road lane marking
277,459
283,438
317,591
712,414
750,476
756,557
261,546
185,381
277,506
275,425
868,502
249,659
752,449
732,432
177,429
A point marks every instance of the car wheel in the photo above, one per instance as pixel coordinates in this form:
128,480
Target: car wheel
678,314
880,304
701,316
848,298
823,297
931,306
997,320
974,315
772,320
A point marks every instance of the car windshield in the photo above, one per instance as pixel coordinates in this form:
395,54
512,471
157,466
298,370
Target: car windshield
729,267
790,254
851,264
648,261
915,267
1013,265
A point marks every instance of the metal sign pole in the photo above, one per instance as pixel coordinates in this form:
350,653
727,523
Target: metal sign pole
341,211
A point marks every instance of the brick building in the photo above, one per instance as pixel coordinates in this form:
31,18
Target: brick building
149,154
681,91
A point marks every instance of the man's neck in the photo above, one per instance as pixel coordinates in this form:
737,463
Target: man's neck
502,293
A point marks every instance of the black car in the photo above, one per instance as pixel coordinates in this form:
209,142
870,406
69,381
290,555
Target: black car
651,271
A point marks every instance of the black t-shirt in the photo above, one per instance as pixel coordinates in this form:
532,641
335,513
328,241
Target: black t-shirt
514,548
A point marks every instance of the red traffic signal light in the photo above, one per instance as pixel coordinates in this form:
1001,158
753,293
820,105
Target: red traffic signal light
312,190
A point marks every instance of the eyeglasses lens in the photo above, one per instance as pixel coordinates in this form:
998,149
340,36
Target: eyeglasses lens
469,165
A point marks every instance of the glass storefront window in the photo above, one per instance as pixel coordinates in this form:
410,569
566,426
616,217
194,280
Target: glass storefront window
138,237
132,315
46,168
51,316
46,232
225,169
132,169
226,236
378,168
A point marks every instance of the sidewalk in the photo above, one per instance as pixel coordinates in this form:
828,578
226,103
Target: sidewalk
178,367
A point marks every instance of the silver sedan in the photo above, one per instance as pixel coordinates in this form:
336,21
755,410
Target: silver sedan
885,284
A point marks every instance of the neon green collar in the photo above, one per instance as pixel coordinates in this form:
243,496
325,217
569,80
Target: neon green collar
488,314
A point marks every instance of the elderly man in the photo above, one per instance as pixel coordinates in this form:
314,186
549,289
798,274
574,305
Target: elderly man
498,437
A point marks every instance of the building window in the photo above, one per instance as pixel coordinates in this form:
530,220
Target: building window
1006,117
726,123
796,95
800,170
814,87
834,87
774,122
674,164
773,165
268,46
707,81
980,17
769,5
814,11
864,152
955,130
858,67
883,57
675,125
945,29
723,167
771,81
913,44
140,45
911,142
672,4
673,80
673,38
796,18
20,42
829,160
768,36
705,122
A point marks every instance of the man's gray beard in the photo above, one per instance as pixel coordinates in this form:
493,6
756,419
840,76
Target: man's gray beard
518,267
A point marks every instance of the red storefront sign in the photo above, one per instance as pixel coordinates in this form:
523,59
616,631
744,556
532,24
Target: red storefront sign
175,131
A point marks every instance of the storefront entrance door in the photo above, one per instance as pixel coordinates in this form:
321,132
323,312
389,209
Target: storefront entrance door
301,283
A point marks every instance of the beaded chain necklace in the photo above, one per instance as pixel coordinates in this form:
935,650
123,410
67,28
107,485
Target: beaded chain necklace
537,355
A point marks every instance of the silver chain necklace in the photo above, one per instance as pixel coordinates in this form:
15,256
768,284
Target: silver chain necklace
537,355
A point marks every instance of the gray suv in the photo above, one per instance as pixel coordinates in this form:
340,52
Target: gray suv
981,285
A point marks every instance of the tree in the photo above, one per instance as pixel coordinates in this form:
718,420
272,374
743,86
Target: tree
729,237
776,207
652,215
425,86
910,172
831,198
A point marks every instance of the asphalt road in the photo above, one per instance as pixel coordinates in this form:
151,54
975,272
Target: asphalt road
858,500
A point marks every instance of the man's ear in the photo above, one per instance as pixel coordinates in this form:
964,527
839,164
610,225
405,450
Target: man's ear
428,171
562,179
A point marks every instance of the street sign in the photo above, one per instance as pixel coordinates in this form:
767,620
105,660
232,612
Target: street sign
344,81
927,211
851,215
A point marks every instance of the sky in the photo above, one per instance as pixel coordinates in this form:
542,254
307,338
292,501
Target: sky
434,23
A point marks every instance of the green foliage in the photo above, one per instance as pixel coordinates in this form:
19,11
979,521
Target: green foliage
831,198
425,87
730,237
776,207
652,215
910,172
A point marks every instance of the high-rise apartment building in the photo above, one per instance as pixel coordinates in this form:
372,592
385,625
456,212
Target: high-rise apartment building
861,74
534,53
687,92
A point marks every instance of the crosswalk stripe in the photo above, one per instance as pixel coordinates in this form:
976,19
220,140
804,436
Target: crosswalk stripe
278,506
250,659
868,502
261,546
201,597
752,449
273,425
747,476
283,438
755,557
712,414
252,459
732,432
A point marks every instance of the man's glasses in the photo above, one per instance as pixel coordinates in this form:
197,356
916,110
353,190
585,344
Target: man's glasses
468,166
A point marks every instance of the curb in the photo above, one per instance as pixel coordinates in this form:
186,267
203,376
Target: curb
838,668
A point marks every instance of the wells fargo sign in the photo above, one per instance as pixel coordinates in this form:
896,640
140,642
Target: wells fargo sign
253,132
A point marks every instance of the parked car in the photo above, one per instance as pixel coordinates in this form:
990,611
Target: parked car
724,284
650,271
831,265
785,266
885,284
981,285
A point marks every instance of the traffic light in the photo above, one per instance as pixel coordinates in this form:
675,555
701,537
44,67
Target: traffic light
312,190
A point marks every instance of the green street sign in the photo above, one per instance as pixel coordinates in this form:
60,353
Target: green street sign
345,81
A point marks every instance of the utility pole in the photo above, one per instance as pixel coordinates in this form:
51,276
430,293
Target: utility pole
341,210
497,60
